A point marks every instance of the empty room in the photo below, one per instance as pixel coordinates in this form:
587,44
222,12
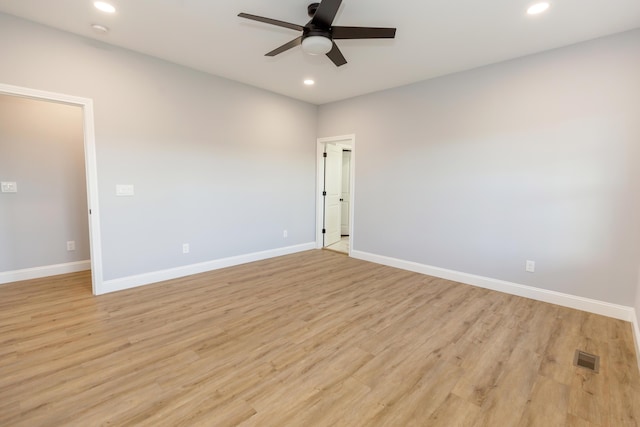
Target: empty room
343,213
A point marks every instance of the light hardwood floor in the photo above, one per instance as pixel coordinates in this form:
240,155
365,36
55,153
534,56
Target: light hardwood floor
311,339
341,245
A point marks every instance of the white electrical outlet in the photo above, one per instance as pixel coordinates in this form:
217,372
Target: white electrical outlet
530,266
285,234
71,245
185,248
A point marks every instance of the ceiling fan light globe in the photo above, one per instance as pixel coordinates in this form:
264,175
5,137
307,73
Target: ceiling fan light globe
317,45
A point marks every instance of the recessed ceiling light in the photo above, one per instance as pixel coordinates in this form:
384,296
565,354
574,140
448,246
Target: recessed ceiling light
104,6
100,28
538,8
309,82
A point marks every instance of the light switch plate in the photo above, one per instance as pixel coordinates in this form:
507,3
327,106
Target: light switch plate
530,266
124,190
9,187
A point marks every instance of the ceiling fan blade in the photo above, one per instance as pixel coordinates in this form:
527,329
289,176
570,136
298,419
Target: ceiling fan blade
285,47
326,13
271,21
336,56
342,33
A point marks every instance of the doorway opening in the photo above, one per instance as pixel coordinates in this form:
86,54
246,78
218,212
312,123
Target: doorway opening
92,211
335,213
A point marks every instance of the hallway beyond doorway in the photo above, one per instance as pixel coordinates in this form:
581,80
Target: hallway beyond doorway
340,246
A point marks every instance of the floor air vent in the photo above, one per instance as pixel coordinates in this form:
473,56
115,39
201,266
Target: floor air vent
586,360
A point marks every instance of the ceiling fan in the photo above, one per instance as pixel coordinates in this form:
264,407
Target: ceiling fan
318,35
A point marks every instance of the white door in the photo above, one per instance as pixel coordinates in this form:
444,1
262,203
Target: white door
346,197
333,190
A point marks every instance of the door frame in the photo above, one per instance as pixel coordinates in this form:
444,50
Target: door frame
347,139
95,246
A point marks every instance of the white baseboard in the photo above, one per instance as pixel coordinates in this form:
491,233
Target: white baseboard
44,271
187,270
566,300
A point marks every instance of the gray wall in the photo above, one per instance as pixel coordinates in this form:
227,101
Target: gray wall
42,149
531,159
219,165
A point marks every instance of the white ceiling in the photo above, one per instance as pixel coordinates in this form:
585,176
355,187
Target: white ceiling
434,38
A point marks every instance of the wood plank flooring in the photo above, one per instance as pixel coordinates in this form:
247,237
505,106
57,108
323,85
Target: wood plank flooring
311,339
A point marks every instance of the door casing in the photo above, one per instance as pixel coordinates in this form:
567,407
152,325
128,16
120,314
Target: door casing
347,141
95,247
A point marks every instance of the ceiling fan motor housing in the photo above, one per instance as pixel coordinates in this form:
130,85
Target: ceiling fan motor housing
313,31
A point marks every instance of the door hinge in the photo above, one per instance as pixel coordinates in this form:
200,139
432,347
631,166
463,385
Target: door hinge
324,154
324,231
324,193
89,211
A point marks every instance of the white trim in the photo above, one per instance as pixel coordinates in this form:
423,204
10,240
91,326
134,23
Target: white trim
95,242
187,270
44,271
636,334
566,300
349,140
